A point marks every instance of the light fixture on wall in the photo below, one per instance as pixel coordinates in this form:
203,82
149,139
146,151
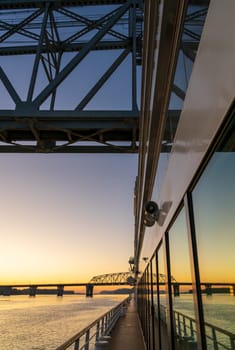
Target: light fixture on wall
151,213
131,262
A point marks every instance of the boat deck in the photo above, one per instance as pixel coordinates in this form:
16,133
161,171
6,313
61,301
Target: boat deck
127,333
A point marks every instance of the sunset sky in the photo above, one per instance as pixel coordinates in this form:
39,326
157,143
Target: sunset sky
65,218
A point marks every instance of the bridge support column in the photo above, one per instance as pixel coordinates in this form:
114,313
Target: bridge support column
208,289
89,290
6,291
232,290
60,291
176,290
32,291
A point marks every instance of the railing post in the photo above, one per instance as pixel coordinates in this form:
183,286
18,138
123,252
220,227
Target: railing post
97,330
191,328
232,341
184,326
214,338
76,345
105,324
102,326
179,325
87,340
108,321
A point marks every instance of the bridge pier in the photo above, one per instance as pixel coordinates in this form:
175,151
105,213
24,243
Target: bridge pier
32,291
208,289
232,289
89,290
176,290
7,291
60,291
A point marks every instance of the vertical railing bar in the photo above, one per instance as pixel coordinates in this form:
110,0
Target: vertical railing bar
184,326
232,342
76,344
176,323
106,322
97,330
191,328
214,338
178,316
87,339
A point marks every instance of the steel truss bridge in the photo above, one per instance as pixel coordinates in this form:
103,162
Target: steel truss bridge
112,279
109,279
119,278
56,38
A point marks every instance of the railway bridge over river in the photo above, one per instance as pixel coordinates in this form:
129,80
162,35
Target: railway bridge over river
112,279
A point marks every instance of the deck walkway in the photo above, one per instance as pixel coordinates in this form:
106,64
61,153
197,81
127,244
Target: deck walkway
127,334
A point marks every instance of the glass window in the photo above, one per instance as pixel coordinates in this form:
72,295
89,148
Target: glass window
162,299
156,338
145,306
140,301
147,311
181,282
214,212
150,300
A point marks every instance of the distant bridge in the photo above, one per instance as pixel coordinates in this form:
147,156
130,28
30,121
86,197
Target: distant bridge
112,279
119,278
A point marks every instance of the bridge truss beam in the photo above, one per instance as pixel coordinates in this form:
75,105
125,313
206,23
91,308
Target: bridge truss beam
111,279
58,37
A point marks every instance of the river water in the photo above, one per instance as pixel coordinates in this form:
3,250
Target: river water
46,321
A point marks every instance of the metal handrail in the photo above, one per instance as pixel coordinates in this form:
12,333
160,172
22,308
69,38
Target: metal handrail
100,327
185,328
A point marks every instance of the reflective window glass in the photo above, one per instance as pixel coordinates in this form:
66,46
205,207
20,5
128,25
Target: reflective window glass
155,305
150,302
162,299
181,282
145,304
214,212
148,309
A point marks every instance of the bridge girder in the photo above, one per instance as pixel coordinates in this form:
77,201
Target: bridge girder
47,31
42,128
16,4
40,31
111,278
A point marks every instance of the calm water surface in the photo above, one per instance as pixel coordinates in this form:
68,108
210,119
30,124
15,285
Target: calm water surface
45,322
219,309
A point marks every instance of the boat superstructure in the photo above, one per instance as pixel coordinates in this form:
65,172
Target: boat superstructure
184,196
